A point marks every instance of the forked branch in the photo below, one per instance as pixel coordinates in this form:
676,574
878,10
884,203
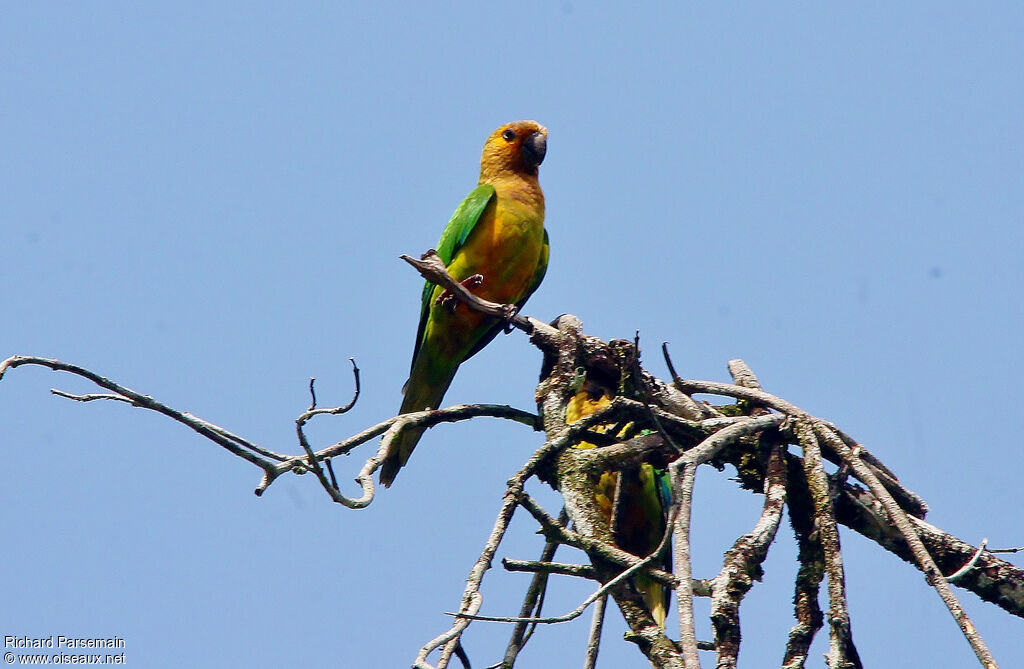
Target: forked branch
656,423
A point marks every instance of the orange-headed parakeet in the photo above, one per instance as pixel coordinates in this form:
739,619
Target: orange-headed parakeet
634,501
495,243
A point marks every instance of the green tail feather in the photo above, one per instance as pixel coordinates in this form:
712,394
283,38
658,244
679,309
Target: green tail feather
419,394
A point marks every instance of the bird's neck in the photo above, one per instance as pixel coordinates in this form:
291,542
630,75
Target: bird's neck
516,187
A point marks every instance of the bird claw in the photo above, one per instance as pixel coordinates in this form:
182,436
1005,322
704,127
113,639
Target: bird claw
510,311
447,299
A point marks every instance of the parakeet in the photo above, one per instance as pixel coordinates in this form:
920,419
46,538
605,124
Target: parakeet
496,245
638,518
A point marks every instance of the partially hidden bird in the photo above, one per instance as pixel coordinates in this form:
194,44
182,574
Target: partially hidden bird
495,244
634,501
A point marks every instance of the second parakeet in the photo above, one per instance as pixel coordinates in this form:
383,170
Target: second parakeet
634,501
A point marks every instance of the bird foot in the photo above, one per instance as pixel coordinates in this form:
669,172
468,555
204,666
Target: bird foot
447,299
510,312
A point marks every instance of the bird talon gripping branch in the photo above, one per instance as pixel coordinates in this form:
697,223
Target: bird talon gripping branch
447,299
510,311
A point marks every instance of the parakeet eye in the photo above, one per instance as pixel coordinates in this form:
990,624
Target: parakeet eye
508,135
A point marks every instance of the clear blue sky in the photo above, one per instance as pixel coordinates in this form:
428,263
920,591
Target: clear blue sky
206,202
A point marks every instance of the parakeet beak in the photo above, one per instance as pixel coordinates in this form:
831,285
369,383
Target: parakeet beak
534,148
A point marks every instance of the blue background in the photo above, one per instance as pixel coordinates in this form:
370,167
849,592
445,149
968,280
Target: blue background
206,202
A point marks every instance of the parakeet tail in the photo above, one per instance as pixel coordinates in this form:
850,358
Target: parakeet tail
420,394
655,597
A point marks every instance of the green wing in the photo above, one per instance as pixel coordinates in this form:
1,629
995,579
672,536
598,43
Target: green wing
463,221
542,269
454,236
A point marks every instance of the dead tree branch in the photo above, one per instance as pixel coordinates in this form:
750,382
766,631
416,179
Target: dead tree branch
742,565
777,449
272,463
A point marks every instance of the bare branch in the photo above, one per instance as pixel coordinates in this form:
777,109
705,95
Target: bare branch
993,580
535,509
90,397
243,448
1006,550
842,653
272,463
903,523
700,588
594,640
472,599
907,499
702,407
545,567
811,557
912,502
751,434
970,564
604,551
742,375
682,494
533,600
707,449
313,411
743,561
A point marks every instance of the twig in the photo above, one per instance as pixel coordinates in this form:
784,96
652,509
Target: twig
390,428
668,360
913,503
682,473
993,579
604,551
931,571
533,599
535,509
700,588
811,557
257,455
330,484
471,598
1006,550
742,375
970,563
594,640
313,411
707,449
89,397
272,463
842,653
544,567
682,493
703,408
742,564
907,499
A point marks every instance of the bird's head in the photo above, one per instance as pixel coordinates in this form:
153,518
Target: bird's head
514,147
